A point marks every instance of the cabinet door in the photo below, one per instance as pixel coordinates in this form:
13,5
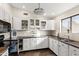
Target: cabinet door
24,24
51,43
39,43
33,43
26,44
63,49
73,51
43,24
55,46
42,43
50,25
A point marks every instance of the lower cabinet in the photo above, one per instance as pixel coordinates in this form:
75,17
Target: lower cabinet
53,45
59,48
63,49
73,51
26,44
35,43
50,43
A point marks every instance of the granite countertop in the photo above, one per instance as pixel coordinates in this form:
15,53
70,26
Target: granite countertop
64,40
67,41
24,37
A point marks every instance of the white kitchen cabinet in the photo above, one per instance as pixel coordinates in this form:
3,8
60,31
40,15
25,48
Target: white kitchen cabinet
63,49
50,25
5,53
73,51
50,43
55,46
16,23
42,42
24,24
43,24
33,43
39,43
34,24
26,44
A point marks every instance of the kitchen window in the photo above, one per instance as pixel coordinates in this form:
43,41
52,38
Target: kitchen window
65,25
75,24
70,24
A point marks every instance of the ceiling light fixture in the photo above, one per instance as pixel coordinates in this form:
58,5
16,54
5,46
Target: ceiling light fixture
23,6
39,10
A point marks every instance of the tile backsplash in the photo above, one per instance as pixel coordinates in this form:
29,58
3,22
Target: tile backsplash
29,33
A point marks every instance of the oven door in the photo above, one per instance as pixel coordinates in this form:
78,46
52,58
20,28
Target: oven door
1,40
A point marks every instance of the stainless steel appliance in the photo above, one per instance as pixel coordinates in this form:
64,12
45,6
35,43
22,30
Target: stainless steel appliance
1,40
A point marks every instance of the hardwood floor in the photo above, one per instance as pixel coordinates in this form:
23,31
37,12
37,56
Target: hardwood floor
41,52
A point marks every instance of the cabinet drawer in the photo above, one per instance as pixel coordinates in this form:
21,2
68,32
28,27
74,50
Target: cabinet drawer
73,51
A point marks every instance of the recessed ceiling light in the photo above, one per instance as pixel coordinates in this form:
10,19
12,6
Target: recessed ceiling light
23,6
45,14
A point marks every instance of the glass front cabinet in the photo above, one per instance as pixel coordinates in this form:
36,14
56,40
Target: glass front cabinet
24,24
34,24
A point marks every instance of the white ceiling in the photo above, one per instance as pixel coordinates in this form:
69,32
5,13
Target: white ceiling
51,9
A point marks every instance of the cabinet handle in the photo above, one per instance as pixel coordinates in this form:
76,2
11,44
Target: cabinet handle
75,54
59,45
62,45
74,50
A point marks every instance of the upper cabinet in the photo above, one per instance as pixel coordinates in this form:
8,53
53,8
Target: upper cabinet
50,25
24,24
47,25
33,24
43,24
75,24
